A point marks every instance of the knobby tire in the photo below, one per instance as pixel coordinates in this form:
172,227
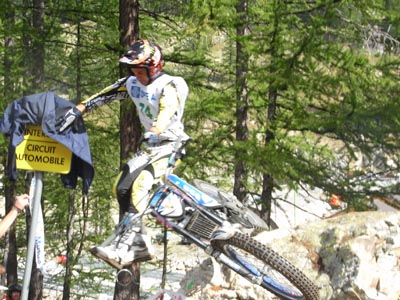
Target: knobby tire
274,261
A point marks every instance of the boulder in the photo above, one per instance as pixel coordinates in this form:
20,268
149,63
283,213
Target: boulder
351,256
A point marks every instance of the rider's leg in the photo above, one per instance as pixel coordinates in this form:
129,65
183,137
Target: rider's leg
141,188
129,244
123,188
123,185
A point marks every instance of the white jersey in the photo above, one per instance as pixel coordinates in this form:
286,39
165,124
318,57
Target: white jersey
147,101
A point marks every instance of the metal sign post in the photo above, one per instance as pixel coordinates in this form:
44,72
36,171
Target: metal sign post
32,232
39,153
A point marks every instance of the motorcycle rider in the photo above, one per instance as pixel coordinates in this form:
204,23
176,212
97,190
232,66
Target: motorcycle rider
159,99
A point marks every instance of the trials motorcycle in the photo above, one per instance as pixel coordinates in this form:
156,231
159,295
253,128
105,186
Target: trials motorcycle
222,227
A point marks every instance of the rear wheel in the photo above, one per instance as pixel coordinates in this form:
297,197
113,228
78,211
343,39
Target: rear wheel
277,274
234,210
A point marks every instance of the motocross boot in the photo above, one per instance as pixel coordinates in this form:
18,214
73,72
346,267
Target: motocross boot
126,245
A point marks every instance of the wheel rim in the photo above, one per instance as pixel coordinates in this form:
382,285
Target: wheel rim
270,281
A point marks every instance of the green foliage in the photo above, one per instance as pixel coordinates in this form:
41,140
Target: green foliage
329,90
322,89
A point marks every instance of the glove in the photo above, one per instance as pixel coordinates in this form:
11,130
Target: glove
151,137
70,117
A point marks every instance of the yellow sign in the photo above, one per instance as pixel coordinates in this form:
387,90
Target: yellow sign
39,152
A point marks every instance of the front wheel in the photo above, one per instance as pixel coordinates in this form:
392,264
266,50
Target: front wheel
276,274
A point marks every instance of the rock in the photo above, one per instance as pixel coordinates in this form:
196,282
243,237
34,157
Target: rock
352,256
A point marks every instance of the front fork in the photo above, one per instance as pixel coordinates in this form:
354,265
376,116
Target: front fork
225,232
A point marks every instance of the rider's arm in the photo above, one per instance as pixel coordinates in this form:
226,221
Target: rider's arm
169,105
116,91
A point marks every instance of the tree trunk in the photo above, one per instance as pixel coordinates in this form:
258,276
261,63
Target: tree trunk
10,256
35,20
9,44
129,121
242,105
38,44
268,180
128,284
36,284
70,245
